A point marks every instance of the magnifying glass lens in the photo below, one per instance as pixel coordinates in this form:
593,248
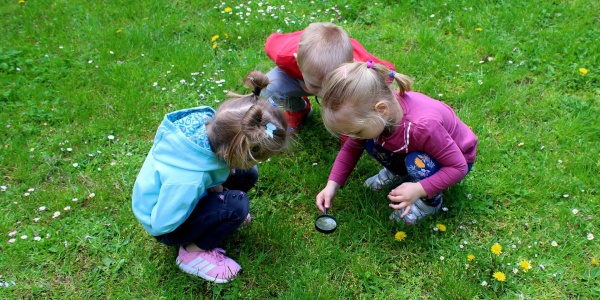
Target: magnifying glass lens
325,224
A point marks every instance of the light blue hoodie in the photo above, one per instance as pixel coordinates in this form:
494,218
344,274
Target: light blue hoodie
178,170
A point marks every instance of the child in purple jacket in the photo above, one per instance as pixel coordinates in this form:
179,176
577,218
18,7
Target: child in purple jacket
409,133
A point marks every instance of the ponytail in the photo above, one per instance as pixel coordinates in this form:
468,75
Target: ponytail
248,128
404,82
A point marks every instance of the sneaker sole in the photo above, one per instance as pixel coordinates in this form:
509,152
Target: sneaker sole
195,271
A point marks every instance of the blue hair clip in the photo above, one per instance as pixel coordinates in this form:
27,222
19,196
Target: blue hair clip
272,102
269,130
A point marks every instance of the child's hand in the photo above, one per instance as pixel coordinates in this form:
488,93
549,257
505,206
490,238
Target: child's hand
216,189
325,197
405,195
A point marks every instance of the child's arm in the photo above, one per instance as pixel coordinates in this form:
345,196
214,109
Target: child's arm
441,146
344,164
175,203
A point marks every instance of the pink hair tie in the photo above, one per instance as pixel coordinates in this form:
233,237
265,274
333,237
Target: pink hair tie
370,64
392,74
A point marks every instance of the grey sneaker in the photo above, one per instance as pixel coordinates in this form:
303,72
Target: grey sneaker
382,179
418,211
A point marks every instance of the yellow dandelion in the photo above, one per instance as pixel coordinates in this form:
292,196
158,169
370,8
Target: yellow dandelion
119,31
226,36
441,227
496,249
525,265
400,236
214,38
499,276
583,71
595,262
21,1
227,9
419,163
479,29
214,45
470,257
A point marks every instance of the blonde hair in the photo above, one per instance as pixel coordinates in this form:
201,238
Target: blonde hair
351,92
323,47
246,128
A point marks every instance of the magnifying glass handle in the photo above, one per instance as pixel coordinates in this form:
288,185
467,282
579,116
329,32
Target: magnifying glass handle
324,210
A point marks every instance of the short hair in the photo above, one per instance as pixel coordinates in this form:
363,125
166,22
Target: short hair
351,91
247,129
323,47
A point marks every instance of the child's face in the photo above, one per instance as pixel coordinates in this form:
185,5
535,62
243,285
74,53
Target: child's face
312,85
363,132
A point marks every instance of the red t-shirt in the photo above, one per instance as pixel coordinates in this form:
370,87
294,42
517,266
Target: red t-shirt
280,47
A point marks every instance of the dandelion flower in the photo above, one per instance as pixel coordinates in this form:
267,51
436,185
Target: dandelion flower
499,276
525,265
214,38
479,29
400,236
441,227
595,262
214,45
583,71
227,9
470,257
496,249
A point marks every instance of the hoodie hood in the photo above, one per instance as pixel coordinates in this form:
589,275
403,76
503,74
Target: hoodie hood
178,144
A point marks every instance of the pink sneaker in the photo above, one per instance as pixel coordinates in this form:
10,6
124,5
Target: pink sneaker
211,265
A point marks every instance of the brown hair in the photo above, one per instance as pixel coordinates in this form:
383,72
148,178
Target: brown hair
351,92
246,128
323,47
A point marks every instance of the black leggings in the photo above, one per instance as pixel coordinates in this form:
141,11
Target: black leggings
216,215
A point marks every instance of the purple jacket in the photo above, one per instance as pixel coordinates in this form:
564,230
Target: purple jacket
427,125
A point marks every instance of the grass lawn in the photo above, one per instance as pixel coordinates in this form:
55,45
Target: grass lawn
84,85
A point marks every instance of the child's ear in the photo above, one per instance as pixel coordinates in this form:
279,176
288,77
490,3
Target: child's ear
383,109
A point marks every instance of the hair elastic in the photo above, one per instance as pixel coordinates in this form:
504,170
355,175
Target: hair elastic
256,91
370,64
269,130
392,74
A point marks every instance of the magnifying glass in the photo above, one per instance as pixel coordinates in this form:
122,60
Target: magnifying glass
325,223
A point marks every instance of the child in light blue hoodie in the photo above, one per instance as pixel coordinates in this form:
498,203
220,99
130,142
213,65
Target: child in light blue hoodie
191,190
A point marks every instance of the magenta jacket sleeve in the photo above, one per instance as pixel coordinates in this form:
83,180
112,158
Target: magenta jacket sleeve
346,161
435,140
